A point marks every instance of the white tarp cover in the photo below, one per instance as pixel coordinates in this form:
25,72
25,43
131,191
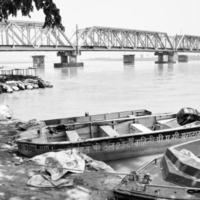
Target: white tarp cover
55,166
44,181
59,163
5,112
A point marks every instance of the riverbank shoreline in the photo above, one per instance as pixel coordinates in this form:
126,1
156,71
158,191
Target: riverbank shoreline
15,172
13,83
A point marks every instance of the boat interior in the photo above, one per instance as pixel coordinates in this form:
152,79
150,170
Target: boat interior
107,125
91,127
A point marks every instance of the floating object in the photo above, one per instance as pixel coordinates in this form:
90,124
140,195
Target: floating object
111,136
173,176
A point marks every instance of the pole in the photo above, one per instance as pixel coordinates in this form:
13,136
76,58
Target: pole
77,50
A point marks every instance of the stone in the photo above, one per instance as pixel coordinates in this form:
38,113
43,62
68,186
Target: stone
20,85
41,83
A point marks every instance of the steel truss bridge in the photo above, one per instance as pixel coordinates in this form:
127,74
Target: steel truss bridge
31,36
115,39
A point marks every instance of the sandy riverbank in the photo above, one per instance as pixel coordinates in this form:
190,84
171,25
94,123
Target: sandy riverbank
14,174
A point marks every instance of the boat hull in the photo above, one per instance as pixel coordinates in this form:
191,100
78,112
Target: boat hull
134,196
106,149
173,176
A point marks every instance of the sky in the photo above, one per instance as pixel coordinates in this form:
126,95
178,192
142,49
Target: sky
171,16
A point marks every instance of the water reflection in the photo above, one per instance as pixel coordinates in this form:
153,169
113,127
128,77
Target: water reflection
70,72
170,67
40,70
160,69
127,66
164,69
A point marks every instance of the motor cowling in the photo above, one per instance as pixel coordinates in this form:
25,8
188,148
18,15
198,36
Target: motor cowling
187,115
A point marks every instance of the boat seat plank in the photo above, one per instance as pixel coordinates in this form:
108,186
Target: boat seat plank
171,123
73,136
109,131
140,128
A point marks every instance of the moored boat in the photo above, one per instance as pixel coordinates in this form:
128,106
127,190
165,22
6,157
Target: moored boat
113,136
173,176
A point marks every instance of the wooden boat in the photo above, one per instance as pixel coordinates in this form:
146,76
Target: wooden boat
173,176
111,136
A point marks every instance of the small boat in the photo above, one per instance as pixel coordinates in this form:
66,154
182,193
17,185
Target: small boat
115,135
173,176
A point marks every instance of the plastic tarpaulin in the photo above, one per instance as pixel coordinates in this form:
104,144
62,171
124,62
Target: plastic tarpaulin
55,166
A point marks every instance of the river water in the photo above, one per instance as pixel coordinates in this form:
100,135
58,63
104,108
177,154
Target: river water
105,86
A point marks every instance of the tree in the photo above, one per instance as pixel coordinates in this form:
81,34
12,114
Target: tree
51,12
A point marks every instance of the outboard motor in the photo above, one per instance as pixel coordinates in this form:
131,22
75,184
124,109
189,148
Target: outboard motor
187,115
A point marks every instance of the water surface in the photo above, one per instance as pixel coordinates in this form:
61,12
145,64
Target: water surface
105,86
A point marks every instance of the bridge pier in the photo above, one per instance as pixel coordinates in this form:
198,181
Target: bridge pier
129,59
68,59
161,60
182,58
38,61
171,57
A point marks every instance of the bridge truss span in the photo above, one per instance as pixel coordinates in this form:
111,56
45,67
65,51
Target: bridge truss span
114,39
187,43
31,36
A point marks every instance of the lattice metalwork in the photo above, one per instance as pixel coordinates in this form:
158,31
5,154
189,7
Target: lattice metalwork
25,36
114,39
187,43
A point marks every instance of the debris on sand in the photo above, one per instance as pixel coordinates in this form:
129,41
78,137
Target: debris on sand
54,175
56,168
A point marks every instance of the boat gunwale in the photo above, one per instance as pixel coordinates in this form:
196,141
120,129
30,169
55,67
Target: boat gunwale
116,119
181,129
148,112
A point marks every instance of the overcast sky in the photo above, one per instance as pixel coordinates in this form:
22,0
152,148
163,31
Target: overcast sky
172,16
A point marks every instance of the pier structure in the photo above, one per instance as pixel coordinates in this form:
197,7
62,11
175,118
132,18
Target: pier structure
38,60
32,36
129,59
171,57
68,59
182,58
